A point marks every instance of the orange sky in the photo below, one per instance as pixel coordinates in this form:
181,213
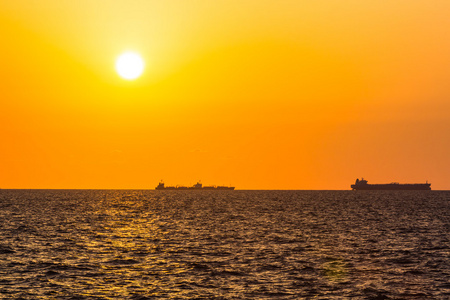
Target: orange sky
256,94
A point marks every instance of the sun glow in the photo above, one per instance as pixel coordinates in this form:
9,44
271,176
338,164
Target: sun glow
129,65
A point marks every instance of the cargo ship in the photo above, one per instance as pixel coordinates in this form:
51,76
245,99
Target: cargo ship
363,185
197,186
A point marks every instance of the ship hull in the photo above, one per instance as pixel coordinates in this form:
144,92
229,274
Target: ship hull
393,186
231,188
196,187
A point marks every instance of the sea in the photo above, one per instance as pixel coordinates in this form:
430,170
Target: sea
148,244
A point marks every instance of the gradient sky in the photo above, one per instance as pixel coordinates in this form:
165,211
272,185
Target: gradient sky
257,94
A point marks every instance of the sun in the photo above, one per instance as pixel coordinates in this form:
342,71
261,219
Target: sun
129,65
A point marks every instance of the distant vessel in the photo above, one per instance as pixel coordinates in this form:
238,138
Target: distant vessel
197,186
363,185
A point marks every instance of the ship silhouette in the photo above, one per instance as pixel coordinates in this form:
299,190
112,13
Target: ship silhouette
364,185
197,186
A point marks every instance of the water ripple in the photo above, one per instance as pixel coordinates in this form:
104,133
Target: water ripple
69,244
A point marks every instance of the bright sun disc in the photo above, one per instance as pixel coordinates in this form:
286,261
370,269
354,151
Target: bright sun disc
129,65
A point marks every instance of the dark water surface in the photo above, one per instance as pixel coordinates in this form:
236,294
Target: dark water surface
80,244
